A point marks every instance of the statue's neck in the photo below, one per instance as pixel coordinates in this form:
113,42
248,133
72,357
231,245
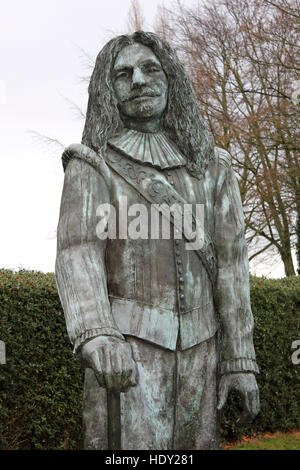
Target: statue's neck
140,125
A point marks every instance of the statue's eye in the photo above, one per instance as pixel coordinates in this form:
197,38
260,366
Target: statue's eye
152,68
122,74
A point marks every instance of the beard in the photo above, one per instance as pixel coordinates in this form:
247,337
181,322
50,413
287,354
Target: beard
144,109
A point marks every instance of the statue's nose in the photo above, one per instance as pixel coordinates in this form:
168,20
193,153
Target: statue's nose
138,78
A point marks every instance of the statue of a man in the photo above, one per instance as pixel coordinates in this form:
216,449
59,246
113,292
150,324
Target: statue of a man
167,328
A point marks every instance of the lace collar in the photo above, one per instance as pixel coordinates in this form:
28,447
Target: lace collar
149,148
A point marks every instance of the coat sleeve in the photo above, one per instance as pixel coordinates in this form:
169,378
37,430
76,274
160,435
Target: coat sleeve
233,292
80,263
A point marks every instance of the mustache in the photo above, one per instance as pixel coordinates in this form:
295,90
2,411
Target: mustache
140,94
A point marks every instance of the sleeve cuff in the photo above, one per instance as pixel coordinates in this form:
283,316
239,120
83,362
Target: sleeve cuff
239,365
89,334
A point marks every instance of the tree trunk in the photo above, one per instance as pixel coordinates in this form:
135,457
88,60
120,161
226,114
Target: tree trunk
298,243
288,263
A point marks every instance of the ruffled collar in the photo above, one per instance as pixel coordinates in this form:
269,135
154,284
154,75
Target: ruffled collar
154,149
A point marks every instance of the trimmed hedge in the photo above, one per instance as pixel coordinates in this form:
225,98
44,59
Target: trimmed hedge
276,309
41,385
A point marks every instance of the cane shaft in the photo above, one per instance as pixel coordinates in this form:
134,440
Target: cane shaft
113,420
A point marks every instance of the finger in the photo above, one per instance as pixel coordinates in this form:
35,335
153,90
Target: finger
115,377
95,362
245,417
126,373
105,360
107,369
100,379
134,376
99,367
223,392
116,363
255,403
96,366
124,377
131,378
250,407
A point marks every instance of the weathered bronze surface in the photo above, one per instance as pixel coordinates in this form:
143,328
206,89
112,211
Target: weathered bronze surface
164,332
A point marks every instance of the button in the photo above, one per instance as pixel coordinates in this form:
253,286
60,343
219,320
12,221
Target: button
181,288
180,271
172,182
181,279
179,261
181,296
176,242
177,252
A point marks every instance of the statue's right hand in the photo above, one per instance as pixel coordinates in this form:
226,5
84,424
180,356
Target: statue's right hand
111,360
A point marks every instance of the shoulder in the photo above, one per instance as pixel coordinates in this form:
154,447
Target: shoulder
223,157
81,162
223,168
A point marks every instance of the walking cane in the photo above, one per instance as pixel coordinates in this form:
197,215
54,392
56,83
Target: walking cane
114,410
113,420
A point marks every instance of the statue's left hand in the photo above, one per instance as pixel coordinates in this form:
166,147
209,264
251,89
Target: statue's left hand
245,384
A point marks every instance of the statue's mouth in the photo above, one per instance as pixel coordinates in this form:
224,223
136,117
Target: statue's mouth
143,97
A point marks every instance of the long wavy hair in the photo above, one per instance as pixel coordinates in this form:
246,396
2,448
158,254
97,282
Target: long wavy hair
181,121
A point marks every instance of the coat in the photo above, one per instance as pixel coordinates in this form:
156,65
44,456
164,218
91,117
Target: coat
155,289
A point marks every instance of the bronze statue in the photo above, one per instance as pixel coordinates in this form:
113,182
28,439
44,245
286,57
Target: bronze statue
162,331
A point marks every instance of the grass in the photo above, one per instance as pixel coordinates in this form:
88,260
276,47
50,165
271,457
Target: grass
268,441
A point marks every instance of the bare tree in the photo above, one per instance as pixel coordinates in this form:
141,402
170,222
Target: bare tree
287,7
242,58
135,17
161,23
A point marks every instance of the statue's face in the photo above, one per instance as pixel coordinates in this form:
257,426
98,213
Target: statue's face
140,84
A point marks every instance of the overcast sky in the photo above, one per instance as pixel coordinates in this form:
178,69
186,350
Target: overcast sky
41,65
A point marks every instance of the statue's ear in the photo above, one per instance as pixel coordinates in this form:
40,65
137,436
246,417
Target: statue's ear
223,156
